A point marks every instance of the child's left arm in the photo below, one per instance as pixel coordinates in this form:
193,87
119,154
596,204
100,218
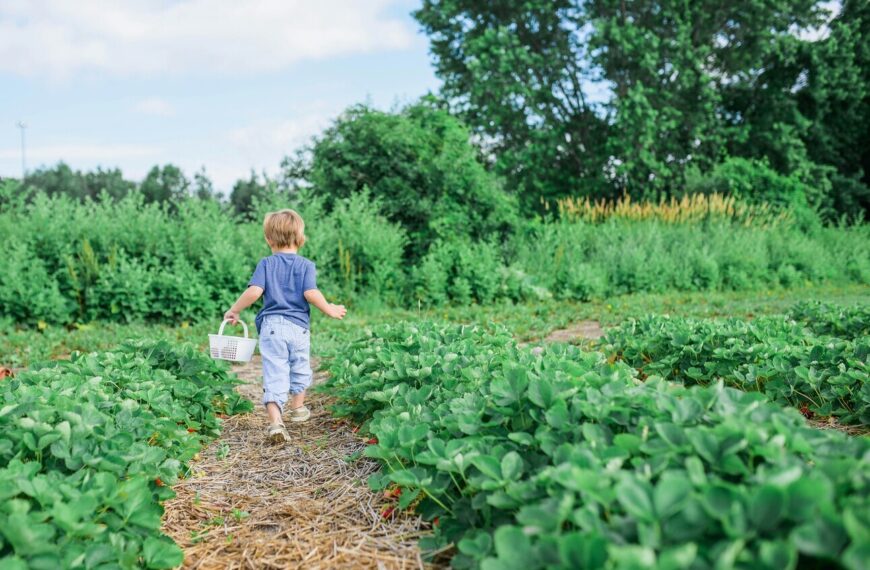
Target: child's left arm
245,300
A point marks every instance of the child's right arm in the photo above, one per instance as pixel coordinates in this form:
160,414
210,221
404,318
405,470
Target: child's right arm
316,298
246,299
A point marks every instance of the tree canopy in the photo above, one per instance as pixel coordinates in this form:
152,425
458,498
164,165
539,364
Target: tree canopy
604,97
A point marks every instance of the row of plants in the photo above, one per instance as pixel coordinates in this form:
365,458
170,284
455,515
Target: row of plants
567,460
130,261
90,447
851,322
782,358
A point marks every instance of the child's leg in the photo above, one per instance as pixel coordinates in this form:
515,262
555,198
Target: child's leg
297,400
274,413
276,371
300,373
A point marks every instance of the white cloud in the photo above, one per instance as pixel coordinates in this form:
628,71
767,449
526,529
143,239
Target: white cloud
155,106
58,38
262,145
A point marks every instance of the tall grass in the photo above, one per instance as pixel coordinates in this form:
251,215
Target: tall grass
692,208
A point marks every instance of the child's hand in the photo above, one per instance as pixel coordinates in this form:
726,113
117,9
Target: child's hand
231,316
337,311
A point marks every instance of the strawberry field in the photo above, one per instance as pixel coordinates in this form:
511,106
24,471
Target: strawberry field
714,432
571,459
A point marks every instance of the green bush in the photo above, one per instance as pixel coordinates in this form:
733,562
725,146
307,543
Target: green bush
580,260
420,164
461,272
126,260
28,293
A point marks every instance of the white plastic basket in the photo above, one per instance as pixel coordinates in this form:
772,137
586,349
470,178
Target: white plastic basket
235,348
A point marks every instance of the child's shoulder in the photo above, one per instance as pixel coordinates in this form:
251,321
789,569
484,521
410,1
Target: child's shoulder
295,259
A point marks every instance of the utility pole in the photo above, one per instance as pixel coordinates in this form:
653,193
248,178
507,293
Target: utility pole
22,126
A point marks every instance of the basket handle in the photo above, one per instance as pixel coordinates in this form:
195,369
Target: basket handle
224,323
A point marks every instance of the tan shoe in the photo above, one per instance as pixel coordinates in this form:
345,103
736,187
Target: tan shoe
300,414
278,434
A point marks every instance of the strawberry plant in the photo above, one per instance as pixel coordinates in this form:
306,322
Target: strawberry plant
89,447
566,460
776,356
828,319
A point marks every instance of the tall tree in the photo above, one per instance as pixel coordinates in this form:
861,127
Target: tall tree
61,179
166,184
689,81
836,101
516,73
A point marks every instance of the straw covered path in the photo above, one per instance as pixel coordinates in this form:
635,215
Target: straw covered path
251,504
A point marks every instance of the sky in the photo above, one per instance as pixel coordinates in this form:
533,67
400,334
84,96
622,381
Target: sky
221,84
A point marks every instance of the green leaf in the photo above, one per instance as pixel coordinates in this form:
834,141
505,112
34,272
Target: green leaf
477,547
671,493
162,553
557,415
540,392
514,549
405,478
627,441
820,537
407,497
767,506
511,466
779,555
582,550
634,496
488,465
678,557
695,468
855,557
521,438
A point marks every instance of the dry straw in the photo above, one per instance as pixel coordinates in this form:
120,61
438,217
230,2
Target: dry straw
692,208
249,504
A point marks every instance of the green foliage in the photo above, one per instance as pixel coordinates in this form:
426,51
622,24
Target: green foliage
418,163
89,444
582,260
564,460
27,292
604,97
362,252
822,375
752,181
131,261
62,180
459,271
834,320
836,100
167,184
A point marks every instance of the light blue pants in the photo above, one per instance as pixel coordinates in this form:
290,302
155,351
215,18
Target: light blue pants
285,348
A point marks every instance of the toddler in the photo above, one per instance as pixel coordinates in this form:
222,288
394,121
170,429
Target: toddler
288,284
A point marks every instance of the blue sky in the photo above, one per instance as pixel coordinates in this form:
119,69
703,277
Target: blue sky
224,85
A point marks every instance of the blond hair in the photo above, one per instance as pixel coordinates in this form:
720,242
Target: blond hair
284,228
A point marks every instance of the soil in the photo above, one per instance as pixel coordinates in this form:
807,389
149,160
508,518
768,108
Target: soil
583,330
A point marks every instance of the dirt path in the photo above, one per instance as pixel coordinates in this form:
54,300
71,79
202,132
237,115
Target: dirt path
250,504
583,330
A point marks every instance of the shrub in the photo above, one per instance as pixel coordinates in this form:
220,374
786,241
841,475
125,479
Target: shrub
421,166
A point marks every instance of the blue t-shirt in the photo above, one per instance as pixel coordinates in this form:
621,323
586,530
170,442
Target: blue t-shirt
285,277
